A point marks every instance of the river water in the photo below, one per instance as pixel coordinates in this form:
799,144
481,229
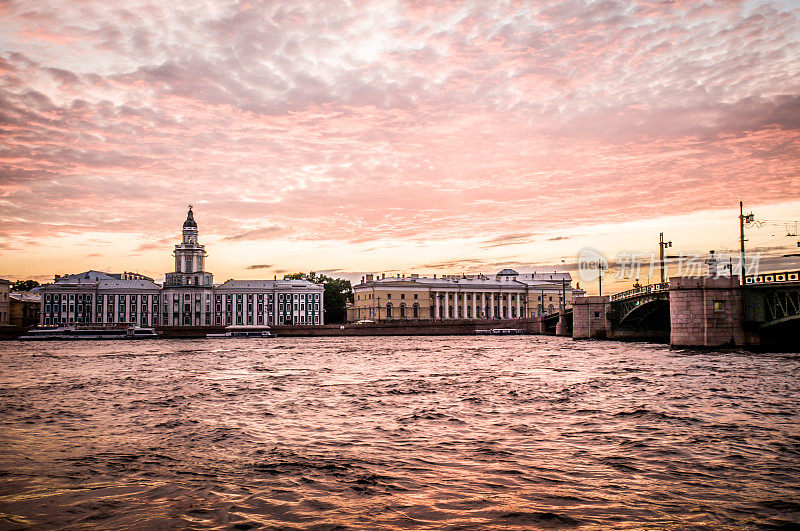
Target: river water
393,433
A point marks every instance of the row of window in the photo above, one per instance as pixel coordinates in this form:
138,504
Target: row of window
522,298
198,320
402,311
56,297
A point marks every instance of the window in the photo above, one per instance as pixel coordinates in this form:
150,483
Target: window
719,306
402,295
416,295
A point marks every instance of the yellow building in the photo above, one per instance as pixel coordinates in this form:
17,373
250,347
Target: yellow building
5,302
506,295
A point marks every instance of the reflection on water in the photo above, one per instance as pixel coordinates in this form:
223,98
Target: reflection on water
384,433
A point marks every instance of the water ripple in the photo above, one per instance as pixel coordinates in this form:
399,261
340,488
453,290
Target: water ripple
395,433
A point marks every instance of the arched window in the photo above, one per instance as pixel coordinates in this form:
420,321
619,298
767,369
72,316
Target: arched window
402,310
432,314
505,312
469,312
550,309
460,311
388,309
449,311
513,312
415,310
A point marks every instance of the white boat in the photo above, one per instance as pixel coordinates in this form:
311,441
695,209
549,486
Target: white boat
501,331
244,331
90,332
508,331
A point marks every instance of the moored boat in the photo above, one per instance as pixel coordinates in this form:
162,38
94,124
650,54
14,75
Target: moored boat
88,332
500,331
244,331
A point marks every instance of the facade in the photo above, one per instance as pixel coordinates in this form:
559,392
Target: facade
187,298
25,307
5,302
507,295
96,297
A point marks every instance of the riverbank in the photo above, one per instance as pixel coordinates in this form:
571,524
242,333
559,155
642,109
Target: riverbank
453,327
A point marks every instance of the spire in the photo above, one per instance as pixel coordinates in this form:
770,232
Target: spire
189,219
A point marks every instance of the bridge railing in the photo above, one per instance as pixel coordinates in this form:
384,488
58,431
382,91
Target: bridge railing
771,278
641,290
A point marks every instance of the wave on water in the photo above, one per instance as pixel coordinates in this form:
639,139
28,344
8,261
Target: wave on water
392,433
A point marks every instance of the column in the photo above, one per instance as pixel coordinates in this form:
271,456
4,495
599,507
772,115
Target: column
519,307
446,305
435,304
464,304
474,304
491,305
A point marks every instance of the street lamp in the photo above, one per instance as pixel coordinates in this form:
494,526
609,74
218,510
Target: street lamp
661,246
742,220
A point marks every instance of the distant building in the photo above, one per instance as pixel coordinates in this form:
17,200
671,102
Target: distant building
24,308
96,297
187,298
5,307
506,295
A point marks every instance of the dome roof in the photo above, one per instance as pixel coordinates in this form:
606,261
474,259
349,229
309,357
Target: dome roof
190,222
508,272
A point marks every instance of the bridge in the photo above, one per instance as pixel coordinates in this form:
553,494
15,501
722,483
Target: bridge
698,311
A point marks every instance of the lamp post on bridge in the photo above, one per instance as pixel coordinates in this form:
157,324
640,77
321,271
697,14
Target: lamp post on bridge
661,246
600,268
742,220
563,306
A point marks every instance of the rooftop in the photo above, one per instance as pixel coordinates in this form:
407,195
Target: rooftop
505,278
268,284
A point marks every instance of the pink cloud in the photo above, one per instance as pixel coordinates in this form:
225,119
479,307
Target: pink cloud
418,121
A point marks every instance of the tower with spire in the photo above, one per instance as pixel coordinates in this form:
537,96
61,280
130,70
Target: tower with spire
189,259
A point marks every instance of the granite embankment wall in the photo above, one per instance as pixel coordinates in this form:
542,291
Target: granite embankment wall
389,328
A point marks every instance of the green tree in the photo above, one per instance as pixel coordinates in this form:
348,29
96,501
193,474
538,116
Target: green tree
338,292
24,285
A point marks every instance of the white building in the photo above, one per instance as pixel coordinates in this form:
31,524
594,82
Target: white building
188,297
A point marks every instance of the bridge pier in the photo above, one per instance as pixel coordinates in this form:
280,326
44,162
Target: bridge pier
564,325
589,320
706,312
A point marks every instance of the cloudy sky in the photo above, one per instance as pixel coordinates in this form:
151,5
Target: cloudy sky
410,136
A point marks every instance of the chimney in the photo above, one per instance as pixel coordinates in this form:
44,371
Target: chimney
383,275
434,275
369,277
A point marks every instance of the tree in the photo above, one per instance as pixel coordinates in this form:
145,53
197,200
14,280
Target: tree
338,292
24,285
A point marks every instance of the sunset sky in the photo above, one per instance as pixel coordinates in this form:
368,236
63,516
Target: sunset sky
414,137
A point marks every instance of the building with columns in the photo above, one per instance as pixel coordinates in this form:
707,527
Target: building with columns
506,295
187,298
